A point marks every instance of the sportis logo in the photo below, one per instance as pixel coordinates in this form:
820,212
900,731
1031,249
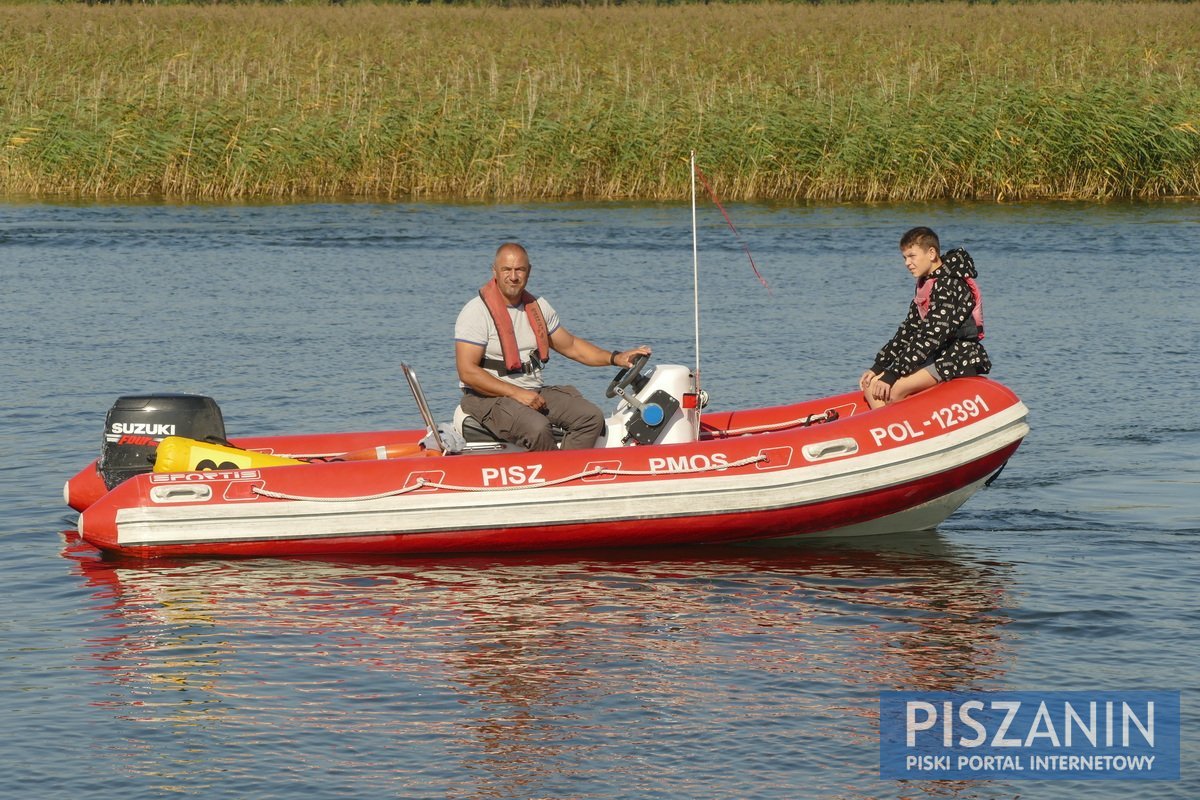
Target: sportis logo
138,433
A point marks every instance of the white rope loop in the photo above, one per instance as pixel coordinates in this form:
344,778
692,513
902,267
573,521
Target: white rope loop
422,483
801,422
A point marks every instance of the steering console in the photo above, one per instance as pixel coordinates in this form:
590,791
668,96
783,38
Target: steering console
627,376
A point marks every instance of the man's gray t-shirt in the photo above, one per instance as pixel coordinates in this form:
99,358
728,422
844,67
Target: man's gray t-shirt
475,326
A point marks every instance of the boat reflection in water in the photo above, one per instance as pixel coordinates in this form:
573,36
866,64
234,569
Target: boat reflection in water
526,675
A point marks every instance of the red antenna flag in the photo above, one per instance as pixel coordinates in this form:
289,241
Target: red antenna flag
733,228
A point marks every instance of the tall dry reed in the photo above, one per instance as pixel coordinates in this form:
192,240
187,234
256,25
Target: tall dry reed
780,101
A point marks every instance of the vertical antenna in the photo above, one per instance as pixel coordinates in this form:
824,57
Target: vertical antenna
695,272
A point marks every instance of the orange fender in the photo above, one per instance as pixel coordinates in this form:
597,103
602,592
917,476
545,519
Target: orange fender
384,452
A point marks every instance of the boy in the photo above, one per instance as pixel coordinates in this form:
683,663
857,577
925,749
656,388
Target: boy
940,337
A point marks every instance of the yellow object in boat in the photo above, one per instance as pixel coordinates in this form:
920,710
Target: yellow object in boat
179,454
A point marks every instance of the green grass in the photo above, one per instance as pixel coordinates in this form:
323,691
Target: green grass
846,102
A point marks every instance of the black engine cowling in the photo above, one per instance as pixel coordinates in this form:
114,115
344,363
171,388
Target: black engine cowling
137,423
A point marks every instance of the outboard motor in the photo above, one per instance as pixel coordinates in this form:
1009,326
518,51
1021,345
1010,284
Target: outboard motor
137,423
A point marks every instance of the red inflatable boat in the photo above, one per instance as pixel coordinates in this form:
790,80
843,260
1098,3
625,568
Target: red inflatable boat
665,473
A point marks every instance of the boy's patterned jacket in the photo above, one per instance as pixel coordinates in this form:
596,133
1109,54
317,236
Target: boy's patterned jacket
947,337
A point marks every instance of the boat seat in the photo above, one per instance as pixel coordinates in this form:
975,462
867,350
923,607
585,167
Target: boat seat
472,430
475,432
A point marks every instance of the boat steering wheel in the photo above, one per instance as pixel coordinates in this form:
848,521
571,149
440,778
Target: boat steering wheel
627,375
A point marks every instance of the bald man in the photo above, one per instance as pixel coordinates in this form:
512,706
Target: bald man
502,341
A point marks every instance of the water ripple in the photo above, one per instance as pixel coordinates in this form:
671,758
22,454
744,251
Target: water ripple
706,673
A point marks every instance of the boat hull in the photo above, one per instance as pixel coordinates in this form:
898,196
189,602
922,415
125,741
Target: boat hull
751,476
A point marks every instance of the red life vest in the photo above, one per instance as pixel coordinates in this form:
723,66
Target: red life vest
498,307
925,289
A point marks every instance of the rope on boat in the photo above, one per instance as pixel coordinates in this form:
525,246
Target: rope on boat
829,415
422,483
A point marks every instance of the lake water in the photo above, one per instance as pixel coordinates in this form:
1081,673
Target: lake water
734,672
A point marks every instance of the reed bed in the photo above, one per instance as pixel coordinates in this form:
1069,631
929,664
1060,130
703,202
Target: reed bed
848,102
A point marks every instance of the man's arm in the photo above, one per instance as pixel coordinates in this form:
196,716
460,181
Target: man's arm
467,357
579,349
